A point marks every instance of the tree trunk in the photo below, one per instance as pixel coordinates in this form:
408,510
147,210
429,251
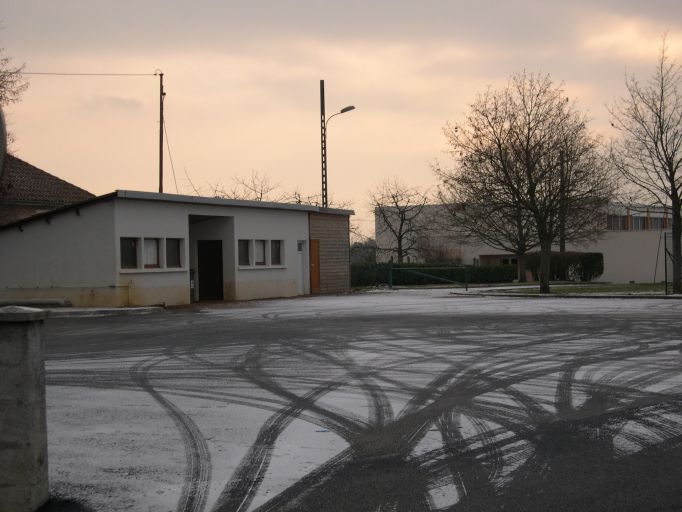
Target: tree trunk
399,253
521,266
677,246
545,268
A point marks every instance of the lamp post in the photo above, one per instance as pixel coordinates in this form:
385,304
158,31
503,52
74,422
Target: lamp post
323,139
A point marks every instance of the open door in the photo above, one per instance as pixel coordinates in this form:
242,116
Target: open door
314,266
210,260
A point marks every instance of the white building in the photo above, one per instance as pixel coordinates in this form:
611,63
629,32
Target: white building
632,244
139,248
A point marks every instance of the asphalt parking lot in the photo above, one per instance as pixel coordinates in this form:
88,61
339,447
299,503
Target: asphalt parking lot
404,401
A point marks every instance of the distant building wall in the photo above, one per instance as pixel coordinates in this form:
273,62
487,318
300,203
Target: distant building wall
629,256
333,233
632,243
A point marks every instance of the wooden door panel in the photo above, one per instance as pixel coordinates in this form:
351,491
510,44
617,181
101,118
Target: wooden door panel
314,266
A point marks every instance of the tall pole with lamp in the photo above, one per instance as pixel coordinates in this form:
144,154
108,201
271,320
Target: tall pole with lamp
323,140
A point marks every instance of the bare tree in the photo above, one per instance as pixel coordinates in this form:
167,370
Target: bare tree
398,213
255,187
12,84
649,152
501,224
260,187
525,157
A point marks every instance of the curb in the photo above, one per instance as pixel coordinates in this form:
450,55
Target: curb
98,312
566,296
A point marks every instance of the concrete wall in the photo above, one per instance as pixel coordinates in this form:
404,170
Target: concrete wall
271,281
630,256
333,233
78,256
73,256
23,429
150,219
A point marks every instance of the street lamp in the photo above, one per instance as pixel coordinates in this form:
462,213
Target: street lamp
323,139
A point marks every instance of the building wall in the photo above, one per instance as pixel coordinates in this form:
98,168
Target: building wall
154,219
78,256
147,219
72,257
629,254
272,281
333,233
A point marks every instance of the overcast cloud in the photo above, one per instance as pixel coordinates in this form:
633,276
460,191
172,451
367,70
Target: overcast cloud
243,81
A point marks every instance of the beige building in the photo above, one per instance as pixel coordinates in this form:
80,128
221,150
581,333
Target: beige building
139,248
632,244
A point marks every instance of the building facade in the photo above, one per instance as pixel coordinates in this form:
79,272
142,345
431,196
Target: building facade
136,248
633,243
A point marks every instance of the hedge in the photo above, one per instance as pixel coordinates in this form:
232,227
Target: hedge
373,274
583,266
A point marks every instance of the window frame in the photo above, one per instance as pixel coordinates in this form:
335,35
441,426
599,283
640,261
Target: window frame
264,244
157,245
136,251
280,253
161,255
179,252
249,252
267,261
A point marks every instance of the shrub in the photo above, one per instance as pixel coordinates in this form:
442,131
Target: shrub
373,274
583,266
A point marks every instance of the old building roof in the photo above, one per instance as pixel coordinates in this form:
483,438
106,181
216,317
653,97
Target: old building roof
25,184
26,191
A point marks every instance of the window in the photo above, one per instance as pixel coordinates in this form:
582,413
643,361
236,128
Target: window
615,222
128,252
276,252
259,252
244,253
638,223
655,223
151,253
173,247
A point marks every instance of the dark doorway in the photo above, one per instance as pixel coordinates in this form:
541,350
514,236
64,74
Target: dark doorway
210,259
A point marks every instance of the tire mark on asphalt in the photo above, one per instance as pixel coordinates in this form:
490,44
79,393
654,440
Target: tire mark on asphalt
194,491
242,487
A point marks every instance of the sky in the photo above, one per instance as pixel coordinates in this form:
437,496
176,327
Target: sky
242,83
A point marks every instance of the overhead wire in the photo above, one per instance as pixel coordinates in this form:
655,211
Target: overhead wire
170,157
51,73
156,73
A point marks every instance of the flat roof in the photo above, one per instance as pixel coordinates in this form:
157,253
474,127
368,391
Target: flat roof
178,198
218,201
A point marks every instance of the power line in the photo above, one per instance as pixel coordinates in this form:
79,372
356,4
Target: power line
49,73
170,157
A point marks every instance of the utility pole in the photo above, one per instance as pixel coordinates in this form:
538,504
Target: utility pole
161,96
562,202
323,142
